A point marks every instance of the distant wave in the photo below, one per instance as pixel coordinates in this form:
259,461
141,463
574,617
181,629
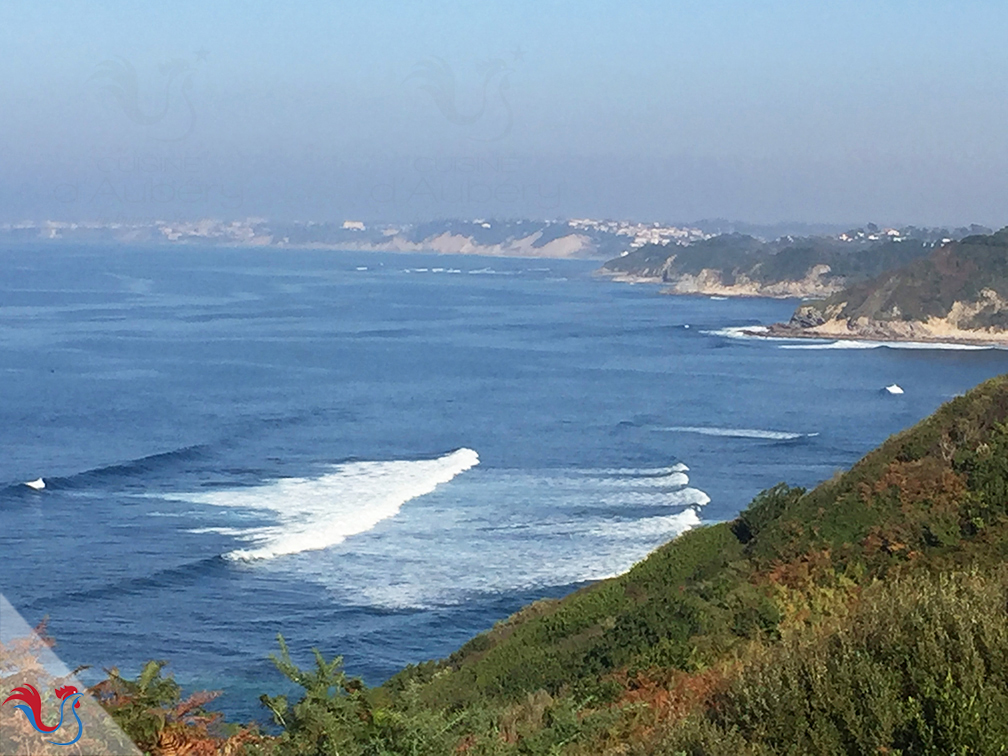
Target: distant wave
643,472
170,578
770,435
680,497
315,513
741,332
859,344
492,272
455,271
647,491
620,487
128,469
670,480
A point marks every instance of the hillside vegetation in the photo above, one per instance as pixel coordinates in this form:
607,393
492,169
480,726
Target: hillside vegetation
868,615
737,264
959,290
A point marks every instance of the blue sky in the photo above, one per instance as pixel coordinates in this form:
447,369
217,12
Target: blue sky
895,112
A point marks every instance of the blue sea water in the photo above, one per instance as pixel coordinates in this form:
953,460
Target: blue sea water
382,455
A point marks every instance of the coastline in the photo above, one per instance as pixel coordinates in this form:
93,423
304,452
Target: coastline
957,337
709,283
934,331
627,278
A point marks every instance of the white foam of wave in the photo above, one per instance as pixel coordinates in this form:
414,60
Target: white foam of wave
671,480
615,488
859,344
596,550
681,497
315,513
503,531
645,472
661,486
693,497
742,332
667,526
770,435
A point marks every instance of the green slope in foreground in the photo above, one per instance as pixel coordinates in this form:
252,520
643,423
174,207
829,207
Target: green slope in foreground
869,615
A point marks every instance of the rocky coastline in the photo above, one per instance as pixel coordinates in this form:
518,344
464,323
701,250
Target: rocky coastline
818,283
808,322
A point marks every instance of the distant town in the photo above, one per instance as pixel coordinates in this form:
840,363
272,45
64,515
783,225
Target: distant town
573,238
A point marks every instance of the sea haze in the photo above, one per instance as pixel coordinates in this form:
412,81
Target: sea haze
382,455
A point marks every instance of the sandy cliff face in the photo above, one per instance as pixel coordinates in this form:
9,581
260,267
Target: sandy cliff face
569,246
817,283
959,325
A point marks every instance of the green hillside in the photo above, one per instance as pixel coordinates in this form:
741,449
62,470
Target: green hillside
737,256
973,271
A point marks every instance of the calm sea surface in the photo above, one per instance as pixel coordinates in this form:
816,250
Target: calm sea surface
382,455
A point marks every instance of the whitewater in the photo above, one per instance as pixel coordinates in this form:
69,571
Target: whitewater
315,513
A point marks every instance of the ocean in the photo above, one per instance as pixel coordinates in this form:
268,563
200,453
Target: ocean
382,455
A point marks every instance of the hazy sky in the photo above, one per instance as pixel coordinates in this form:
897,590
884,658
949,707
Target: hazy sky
895,112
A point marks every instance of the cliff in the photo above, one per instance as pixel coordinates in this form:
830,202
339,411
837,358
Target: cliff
958,293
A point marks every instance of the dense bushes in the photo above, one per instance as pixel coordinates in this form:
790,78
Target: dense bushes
920,668
151,711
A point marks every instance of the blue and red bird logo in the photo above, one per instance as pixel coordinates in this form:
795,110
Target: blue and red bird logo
31,705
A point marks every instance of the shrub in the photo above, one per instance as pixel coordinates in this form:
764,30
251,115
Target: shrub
920,668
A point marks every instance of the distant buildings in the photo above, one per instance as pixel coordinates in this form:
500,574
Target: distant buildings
642,233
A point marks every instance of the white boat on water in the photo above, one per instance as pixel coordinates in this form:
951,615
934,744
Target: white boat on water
894,389
38,484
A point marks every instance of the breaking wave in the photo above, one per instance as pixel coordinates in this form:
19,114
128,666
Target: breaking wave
769,435
667,526
134,468
315,513
642,472
742,332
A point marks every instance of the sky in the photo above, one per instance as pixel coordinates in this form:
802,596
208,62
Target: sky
759,111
